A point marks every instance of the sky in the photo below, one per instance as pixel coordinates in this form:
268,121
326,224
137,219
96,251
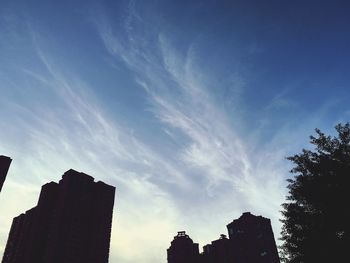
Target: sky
189,108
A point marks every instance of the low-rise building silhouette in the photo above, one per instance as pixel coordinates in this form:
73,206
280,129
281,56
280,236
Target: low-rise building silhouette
4,167
71,223
251,240
219,251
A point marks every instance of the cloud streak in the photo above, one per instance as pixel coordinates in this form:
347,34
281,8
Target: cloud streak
216,158
74,132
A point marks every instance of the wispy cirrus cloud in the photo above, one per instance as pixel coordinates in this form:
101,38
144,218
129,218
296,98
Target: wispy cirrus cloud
222,162
72,131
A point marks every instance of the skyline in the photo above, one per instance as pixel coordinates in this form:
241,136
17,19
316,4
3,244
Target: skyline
189,109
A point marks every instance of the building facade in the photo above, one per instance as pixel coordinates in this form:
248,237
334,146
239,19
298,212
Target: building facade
71,223
253,240
4,167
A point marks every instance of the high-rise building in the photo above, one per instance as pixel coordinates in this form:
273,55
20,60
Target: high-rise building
4,167
183,249
252,239
71,223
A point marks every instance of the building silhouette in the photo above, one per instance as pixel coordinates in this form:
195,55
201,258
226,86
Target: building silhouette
4,167
250,240
219,251
183,250
71,223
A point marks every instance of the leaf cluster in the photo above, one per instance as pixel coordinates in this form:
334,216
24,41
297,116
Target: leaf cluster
316,214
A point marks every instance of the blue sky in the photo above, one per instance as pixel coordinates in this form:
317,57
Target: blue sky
188,107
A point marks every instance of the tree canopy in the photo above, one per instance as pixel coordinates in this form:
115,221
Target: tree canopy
316,214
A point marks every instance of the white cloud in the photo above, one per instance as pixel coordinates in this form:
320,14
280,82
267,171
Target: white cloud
230,176
74,132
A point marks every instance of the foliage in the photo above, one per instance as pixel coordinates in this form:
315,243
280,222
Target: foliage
316,214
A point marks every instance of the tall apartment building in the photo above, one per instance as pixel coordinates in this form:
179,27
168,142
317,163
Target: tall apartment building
4,167
71,223
252,239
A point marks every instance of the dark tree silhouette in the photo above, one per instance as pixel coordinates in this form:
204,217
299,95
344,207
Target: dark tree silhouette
316,216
